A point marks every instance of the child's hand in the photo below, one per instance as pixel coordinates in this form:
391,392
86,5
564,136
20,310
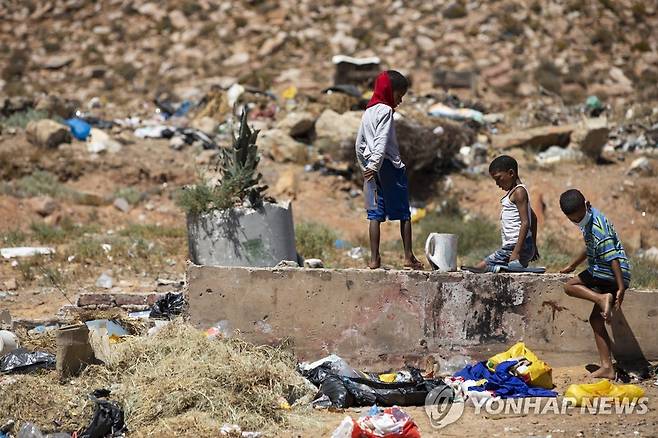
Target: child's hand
368,174
620,298
567,270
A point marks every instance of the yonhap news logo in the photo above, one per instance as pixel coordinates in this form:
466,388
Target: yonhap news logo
442,411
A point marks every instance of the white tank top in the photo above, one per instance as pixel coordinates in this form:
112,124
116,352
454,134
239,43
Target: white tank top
510,220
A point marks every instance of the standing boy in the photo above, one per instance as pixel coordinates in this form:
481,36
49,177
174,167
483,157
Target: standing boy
518,223
606,278
379,157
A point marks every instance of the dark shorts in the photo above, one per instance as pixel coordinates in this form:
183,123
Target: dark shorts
597,284
392,194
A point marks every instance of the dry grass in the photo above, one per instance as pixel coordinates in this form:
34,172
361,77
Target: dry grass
176,383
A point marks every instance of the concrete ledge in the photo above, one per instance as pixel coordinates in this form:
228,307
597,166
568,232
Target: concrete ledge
370,317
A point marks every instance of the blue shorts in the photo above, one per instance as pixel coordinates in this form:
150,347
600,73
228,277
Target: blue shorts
502,255
392,194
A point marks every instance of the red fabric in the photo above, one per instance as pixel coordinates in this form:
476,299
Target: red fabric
383,92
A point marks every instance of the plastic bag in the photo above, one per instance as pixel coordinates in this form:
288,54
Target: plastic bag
170,305
21,360
389,423
108,418
577,394
334,388
538,373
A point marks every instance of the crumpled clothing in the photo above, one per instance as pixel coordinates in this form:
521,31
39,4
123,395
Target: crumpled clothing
502,382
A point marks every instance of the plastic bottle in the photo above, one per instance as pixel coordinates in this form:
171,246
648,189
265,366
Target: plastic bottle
370,194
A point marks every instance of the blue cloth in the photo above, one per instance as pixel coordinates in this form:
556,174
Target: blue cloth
392,194
79,128
502,382
501,256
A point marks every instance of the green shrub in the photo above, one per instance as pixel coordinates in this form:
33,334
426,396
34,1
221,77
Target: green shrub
130,194
151,231
45,233
38,184
314,240
22,118
13,237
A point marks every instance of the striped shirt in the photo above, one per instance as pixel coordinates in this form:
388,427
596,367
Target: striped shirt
603,246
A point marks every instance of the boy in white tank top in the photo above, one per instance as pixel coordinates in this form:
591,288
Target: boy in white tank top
518,222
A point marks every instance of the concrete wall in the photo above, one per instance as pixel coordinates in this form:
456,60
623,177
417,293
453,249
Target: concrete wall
390,317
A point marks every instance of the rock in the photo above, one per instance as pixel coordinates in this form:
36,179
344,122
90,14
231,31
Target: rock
454,10
47,133
590,136
297,124
640,166
236,59
55,106
99,141
122,205
313,263
54,62
335,131
556,154
281,147
272,44
177,143
178,19
10,284
425,43
43,205
104,281
287,184
152,10
537,138
205,124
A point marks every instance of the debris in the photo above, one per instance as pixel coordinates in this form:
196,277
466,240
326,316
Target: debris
287,264
235,431
47,133
536,138
74,351
593,106
108,419
578,394
355,71
30,430
104,280
121,204
356,253
640,166
21,360
538,373
8,342
441,251
99,142
556,154
385,423
591,135
221,329
297,124
26,251
111,327
79,128
313,263
171,304
459,114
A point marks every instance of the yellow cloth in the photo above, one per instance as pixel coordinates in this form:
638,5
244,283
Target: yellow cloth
577,394
537,374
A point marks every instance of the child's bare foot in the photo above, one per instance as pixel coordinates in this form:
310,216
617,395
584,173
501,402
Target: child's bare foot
604,373
375,264
607,307
413,263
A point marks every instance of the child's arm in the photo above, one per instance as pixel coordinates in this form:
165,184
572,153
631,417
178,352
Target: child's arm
572,267
619,279
520,199
378,148
533,227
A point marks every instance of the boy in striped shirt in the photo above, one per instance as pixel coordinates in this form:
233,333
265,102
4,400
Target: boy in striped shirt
606,278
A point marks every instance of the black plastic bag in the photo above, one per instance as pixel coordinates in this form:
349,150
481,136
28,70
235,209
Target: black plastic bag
21,360
334,388
108,418
170,305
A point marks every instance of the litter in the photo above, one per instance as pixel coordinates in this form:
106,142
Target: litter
454,364
155,131
79,128
313,263
537,374
26,251
170,305
441,251
167,109
112,327
342,386
222,330
233,430
417,214
108,419
21,360
8,342
356,253
459,114
144,314
582,393
387,423
74,351
104,281
99,141
234,93
556,154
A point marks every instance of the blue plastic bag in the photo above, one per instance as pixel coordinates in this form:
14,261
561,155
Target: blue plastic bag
79,128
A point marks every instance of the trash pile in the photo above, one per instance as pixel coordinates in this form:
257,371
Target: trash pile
177,381
341,386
